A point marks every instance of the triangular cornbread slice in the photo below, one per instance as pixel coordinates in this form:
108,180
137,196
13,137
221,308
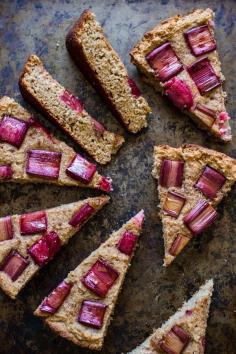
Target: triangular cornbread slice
84,315
58,104
30,154
192,180
185,331
29,241
179,58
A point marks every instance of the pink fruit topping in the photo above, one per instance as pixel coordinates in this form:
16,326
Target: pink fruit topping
43,163
200,217
5,172
81,169
179,93
92,313
45,248
203,75
127,242
164,62
171,173
14,265
210,182
224,117
6,229
178,244
105,184
139,218
71,101
134,88
56,298
32,223
173,204
100,278
206,114
175,341
13,130
98,126
81,215
200,40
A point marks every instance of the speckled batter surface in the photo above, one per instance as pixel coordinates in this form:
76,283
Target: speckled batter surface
150,293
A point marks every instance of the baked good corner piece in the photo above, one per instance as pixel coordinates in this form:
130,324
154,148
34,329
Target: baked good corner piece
81,307
52,99
185,331
179,58
30,154
30,241
100,63
192,180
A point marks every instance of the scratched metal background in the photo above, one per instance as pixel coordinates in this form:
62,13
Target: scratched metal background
151,293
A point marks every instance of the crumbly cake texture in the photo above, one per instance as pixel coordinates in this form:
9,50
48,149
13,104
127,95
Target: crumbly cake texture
100,63
195,158
41,90
192,317
172,30
57,221
38,138
64,321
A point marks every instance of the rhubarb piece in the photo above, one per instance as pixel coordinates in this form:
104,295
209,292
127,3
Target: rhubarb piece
127,243
171,174
134,88
164,62
139,218
207,115
204,76
33,223
81,169
54,300
45,248
42,163
14,265
200,217
5,172
6,229
106,184
81,215
71,101
210,182
173,204
98,126
178,245
175,341
13,130
179,93
92,314
100,278
200,40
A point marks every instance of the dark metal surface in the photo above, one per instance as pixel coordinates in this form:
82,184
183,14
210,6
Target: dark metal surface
150,293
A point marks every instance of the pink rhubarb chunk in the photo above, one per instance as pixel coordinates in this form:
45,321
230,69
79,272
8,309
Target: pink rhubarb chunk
200,217
127,243
171,174
33,223
98,126
139,218
100,278
81,215
204,76
179,93
200,40
175,341
43,163
164,62
6,228
14,265
56,298
106,184
45,248
81,169
134,88
13,130
71,101
178,244
174,203
5,172
210,182
92,313
207,115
